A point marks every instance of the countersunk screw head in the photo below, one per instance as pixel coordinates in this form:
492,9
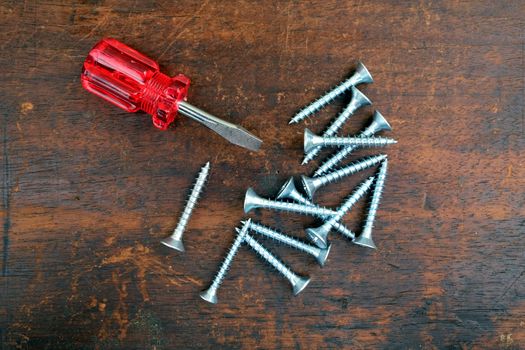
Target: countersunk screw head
300,284
210,295
380,122
250,200
323,255
173,242
287,189
366,241
319,235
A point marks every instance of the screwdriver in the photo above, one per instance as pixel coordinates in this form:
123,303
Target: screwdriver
133,82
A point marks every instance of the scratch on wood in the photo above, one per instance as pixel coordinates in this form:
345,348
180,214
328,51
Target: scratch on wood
6,199
509,287
180,28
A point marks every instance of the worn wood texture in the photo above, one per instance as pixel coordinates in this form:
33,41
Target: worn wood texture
88,190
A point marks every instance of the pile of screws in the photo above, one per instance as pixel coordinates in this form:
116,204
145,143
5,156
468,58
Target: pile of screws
303,204
291,199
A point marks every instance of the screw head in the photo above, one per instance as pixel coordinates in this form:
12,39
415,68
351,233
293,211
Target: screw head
359,99
323,255
308,140
250,200
210,295
173,243
319,235
381,122
308,186
301,284
364,75
365,240
287,189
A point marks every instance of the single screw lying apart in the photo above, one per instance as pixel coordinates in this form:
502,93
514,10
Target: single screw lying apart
365,239
319,234
210,294
360,76
378,124
298,282
175,240
312,184
358,100
252,201
320,254
312,140
289,191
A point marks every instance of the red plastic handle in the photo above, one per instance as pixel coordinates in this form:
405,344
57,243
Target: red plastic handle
132,81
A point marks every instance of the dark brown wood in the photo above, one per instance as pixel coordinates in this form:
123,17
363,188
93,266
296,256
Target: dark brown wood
88,190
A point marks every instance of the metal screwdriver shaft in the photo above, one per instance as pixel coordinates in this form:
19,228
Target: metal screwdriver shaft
175,240
231,132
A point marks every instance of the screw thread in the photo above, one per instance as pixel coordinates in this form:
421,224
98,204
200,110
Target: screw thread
265,254
333,128
350,169
351,201
217,280
356,78
298,197
356,141
192,201
344,152
296,208
343,230
376,196
285,239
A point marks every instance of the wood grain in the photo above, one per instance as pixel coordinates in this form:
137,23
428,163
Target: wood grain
88,190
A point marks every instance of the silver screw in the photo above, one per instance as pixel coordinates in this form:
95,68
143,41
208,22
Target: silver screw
320,234
289,191
298,282
252,201
378,124
312,140
175,240
358,100
365,239
319,254
312,184
210,294
361,76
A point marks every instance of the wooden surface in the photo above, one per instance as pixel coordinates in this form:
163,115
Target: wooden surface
88,190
